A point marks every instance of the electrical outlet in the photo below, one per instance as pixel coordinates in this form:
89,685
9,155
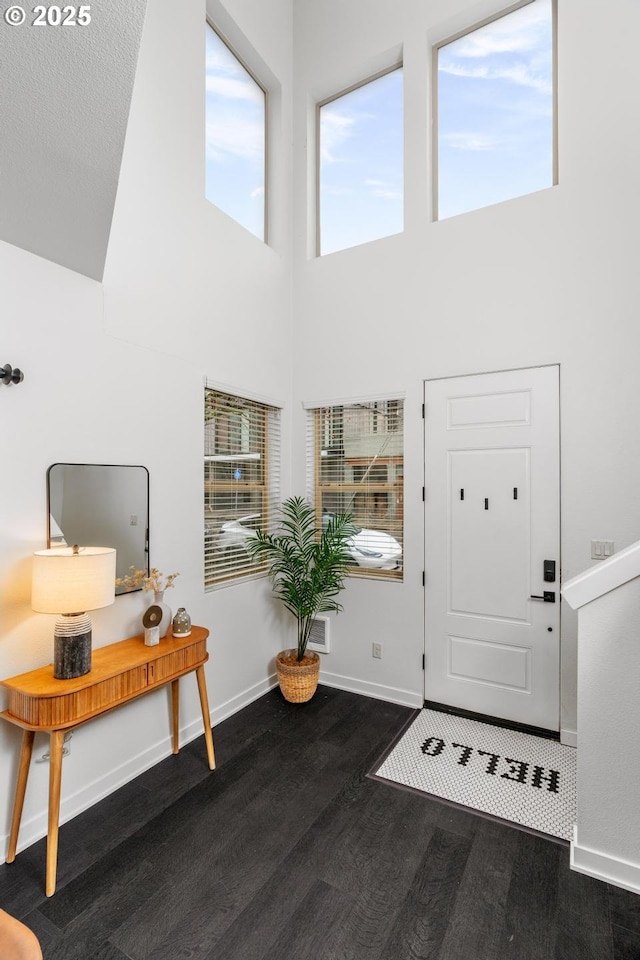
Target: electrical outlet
66,749
376,651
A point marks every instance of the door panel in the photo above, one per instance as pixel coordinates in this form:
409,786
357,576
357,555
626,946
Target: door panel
497,663
492,410
492,518
489,522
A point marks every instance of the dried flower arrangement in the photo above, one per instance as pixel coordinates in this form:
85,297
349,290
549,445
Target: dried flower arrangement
152,581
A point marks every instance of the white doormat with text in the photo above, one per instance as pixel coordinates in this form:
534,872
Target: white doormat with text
515,776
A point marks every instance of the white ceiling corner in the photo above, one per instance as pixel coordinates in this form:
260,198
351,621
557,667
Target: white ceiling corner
66,94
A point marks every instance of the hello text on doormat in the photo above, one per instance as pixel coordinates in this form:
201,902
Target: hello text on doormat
519,770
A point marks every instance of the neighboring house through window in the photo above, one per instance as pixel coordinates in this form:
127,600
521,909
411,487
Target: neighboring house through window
241,481
356,466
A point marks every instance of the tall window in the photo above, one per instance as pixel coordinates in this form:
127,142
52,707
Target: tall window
235,137
495,111
241,481
356,466
360,167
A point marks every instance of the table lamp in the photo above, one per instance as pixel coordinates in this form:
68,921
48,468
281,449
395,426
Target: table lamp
69,581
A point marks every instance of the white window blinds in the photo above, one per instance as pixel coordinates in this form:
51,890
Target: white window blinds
241,481
356,466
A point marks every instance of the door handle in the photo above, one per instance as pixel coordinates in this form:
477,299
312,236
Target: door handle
547,597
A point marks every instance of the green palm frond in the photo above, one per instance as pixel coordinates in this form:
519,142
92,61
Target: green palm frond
307,565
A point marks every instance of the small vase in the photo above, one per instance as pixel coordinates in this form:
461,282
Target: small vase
181,624
165,623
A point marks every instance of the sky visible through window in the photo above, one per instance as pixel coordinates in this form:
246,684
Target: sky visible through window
235,137
361,164
495,111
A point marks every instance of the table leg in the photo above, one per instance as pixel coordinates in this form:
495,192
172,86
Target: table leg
204,703
55,776
175,714
21,787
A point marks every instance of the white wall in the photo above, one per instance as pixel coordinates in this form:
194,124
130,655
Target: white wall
114,374
607,835
547,278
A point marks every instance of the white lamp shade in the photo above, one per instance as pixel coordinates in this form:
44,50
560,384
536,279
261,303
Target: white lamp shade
68,582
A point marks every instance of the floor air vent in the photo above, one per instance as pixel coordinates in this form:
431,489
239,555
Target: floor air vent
319,636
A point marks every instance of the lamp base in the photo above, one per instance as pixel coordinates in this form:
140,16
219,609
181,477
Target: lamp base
72,646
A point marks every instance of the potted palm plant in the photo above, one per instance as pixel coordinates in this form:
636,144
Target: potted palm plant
307,564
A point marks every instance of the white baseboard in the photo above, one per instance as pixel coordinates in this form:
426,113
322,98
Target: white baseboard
621,873
35,828
395,695
569,737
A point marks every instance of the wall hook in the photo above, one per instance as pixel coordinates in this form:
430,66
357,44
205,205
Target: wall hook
9,374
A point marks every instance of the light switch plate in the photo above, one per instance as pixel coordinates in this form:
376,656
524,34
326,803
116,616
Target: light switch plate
601,549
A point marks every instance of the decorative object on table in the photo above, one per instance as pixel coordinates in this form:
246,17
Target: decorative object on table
165,623
151,621
181,623
66,581
156,581
307,563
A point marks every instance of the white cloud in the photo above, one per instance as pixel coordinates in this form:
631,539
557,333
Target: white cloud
470,141
512,33
485,45
335,128
461,70
331,190
387,194
522,74
220,60
230,88
232,136
524,34
258,192
383,189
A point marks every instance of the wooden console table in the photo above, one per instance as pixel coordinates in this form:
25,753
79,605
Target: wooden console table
120,672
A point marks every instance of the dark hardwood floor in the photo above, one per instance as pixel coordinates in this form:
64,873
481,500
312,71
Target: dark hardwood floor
288,851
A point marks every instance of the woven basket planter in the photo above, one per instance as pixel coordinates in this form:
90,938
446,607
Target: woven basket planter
298,681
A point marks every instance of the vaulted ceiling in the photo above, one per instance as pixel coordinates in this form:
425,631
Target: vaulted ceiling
66,94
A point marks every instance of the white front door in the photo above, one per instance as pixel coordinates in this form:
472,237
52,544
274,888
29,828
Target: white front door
492,515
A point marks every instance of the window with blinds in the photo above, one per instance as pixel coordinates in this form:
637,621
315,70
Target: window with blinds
241,482
356,466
